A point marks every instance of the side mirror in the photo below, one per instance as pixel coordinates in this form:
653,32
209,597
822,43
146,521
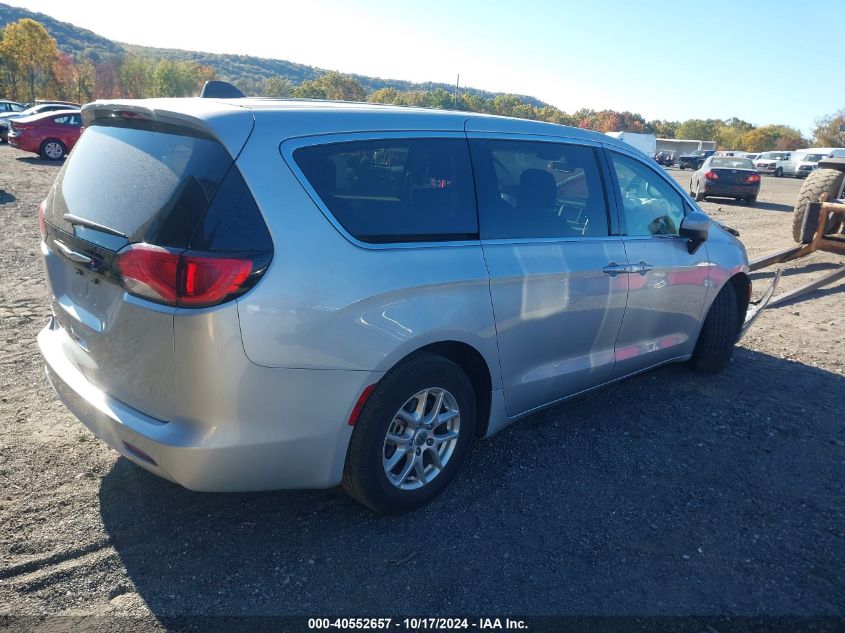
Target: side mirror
695,226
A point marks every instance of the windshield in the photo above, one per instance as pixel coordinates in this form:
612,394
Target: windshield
772,155
732,163
813,158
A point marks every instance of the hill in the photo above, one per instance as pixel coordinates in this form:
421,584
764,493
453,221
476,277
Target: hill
245,69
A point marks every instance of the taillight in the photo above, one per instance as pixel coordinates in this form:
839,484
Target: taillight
753,178
180,278
209,280
42,223
711,175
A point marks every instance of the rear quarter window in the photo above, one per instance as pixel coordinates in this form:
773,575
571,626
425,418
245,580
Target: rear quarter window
395,190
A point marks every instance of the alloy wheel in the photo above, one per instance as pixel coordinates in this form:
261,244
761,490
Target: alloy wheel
421,438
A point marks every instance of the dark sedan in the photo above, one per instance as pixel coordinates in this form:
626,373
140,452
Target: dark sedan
693,160
726,177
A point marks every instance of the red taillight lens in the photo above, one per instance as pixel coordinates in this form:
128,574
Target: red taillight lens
151,272
753,178
711,175
207,280
174,278
42,223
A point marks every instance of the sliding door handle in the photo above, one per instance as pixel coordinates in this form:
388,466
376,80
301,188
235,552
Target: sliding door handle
642,268
614,269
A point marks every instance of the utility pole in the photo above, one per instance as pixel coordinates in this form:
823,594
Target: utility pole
457,83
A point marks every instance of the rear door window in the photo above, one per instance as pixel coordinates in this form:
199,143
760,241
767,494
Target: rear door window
395,190
538,189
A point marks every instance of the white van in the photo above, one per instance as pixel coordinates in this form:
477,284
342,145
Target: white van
805,161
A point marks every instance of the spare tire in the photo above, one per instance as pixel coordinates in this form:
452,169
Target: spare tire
818,182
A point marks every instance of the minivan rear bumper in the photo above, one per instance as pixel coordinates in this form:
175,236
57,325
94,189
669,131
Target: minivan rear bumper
301,443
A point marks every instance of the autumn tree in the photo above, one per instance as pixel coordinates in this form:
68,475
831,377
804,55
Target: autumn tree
29,50
830,130
64,71
333,86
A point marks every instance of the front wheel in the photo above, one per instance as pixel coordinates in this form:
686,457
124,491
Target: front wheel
52,149
778,172
413,433
719,333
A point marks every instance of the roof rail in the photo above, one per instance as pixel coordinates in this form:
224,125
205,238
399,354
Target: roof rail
215,89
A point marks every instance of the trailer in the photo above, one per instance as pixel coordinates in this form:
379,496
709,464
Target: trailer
818,218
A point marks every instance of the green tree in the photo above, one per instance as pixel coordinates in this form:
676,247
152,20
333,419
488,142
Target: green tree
277,87
83,80
175,79
135,74
29,50
332,86
698,129
663,129
385,95
829,130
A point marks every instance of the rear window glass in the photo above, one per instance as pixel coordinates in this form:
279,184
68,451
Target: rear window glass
150,185
395,190
731,163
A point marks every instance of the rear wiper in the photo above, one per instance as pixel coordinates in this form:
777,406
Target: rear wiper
75,219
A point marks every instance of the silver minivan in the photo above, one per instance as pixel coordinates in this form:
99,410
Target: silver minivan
251,294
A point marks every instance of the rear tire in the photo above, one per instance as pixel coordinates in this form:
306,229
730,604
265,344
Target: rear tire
52,149
822,180
719,333
751,201
366,474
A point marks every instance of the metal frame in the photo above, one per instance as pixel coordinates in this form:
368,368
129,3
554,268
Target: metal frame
820,242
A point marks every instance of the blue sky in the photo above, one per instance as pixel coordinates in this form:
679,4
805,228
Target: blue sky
762,61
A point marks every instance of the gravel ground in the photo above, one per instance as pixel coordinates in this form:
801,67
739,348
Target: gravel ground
672,493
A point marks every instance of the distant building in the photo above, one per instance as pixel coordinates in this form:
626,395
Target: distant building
683,146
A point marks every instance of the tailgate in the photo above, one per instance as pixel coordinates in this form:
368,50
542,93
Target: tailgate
142,178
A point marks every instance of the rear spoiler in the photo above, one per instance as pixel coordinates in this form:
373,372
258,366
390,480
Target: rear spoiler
228,123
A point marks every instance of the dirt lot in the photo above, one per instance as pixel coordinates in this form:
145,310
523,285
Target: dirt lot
672,493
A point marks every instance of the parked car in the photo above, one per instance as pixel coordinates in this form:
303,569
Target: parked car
5,118
51,135
693,160
10,106
665,158
726,177
297,294
767,162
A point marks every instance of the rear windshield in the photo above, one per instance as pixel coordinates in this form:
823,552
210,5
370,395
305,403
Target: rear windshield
159,184
151,183
731,163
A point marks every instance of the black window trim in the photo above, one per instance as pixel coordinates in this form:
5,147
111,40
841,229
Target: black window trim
289,146
617,192
611,209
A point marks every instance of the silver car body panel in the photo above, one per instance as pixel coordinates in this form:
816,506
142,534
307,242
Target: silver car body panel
256,393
